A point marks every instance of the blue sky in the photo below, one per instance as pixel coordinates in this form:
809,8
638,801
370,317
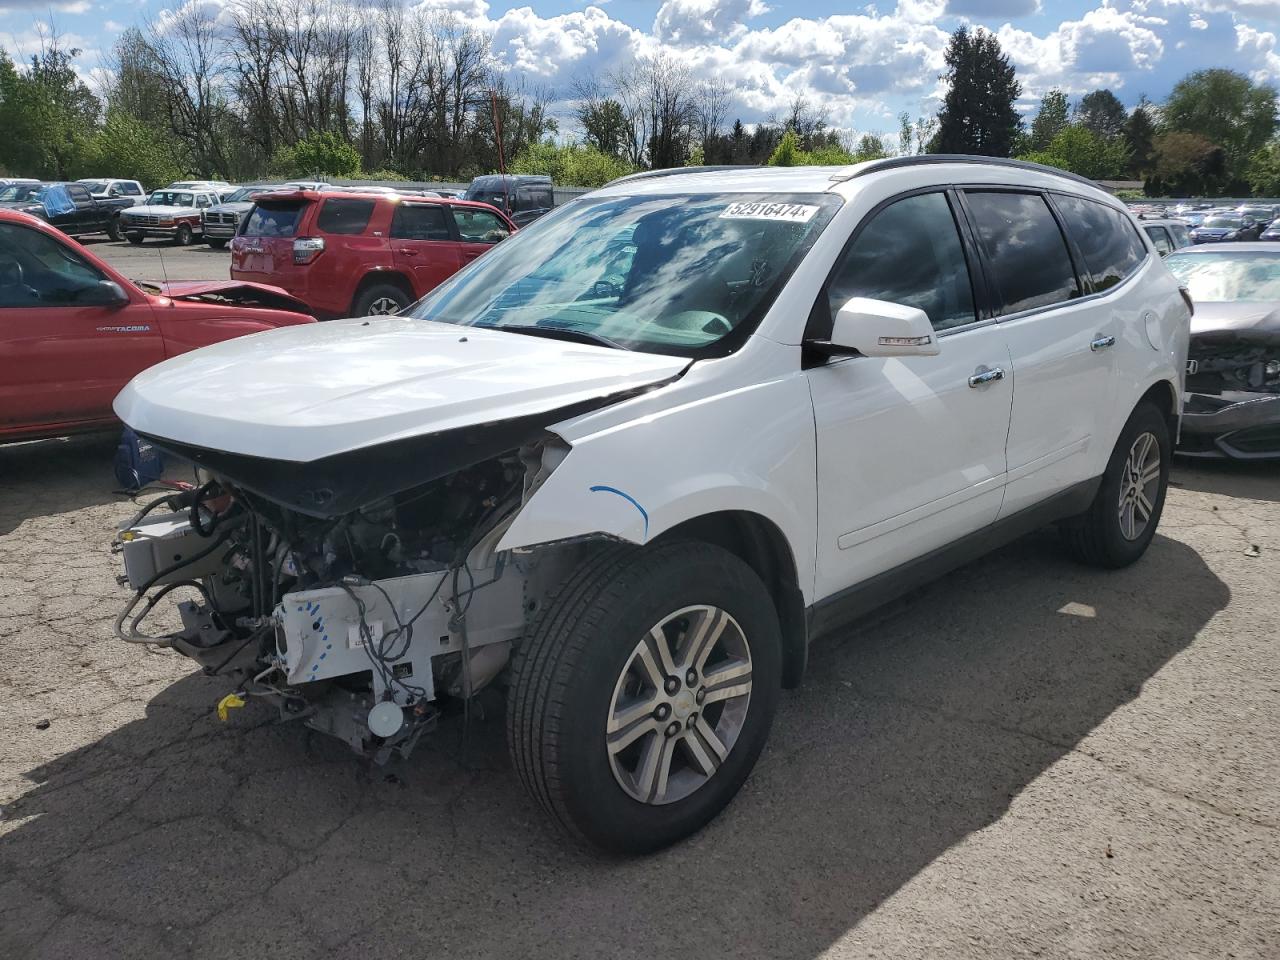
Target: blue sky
861,63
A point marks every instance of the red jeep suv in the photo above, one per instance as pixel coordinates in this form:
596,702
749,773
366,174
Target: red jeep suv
349,254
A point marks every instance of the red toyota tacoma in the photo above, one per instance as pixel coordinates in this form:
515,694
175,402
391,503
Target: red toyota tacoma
73,331
349,254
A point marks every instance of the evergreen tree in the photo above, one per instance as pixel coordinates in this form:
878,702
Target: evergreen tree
977,115
1102,114
1139,137
1050,121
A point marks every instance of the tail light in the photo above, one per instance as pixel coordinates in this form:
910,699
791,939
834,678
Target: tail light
306,249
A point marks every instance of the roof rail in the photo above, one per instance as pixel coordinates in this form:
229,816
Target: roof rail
893,163
675,171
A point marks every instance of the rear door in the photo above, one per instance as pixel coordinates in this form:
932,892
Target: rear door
478,230
1059,339
87,218
63,361
423,246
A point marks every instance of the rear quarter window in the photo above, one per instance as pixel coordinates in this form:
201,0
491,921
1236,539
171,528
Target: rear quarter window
273,220
1106,238
344,216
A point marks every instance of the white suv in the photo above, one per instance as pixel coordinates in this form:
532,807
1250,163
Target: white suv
630,461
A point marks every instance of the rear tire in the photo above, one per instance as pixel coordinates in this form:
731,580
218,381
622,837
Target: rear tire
1118,526
136,239
581,671
183,237
378,300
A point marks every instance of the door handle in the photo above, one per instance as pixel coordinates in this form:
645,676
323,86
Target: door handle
407,252
986,376
1101,343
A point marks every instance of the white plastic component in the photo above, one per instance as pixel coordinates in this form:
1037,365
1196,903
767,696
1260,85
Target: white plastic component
386,719
161,541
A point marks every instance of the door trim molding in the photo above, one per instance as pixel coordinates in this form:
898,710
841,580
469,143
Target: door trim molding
849,604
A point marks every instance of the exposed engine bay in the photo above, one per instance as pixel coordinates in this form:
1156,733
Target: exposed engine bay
359,624
1231,363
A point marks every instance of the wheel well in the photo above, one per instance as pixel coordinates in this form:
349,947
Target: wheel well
759,543
379,277
1162,394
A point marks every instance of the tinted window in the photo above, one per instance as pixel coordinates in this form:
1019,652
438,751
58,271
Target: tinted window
1111,246
910,254
1160,237
132,189
1029,259
273,220
78,193
344,216
37,271
420,221
478,226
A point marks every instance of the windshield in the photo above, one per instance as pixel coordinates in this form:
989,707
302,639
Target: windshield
689,275
1232,223
22,191
95,186
170,198
495,198
244,193
1228,276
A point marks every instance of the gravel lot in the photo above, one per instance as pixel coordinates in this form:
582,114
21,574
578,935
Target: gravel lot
1027,759
157,258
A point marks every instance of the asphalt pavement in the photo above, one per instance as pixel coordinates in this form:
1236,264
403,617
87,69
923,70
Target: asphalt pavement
161,260
1029,758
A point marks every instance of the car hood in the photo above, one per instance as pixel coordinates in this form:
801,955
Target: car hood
1237,319
1215,231
240,206
238,292
310,392
23,205
156,209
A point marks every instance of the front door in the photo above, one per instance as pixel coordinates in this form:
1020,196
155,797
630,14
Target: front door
64,361
478,231
911,451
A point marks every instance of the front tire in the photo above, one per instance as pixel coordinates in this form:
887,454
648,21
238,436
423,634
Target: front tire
183,237
1120,523
644,693
216,244
135,238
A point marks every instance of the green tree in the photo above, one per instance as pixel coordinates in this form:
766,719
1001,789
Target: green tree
1139,137
788,152
604,126
323,152
1263,173
977,114
1049,121
1188,164
128,147
1228,109
574,165
1081,151
46,114
870,147
1102,114
904,134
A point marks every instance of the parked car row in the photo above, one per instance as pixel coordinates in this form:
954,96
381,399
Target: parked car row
68,206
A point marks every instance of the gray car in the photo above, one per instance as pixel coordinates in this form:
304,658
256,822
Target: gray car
1233,378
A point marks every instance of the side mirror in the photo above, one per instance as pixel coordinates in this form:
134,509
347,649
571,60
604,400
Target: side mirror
878,328
106,293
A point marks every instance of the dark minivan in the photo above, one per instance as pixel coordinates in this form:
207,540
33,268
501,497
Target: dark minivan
523,198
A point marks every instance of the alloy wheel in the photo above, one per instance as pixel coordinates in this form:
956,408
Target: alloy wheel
680,705
382,307
1139,486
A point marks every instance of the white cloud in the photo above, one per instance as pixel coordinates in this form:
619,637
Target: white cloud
704,21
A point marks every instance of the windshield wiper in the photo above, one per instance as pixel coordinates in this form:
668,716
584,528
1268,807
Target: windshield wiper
556,333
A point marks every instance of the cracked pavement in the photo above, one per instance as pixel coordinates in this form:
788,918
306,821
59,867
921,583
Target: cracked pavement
1028,758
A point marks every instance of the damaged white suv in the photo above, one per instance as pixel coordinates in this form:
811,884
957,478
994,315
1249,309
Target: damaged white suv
628,463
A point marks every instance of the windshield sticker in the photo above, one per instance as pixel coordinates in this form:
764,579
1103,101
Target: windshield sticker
755,210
